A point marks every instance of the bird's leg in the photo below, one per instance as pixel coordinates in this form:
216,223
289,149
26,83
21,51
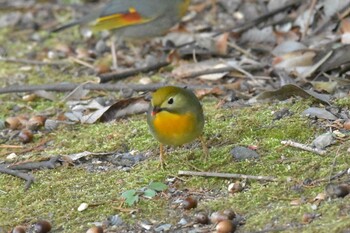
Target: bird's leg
114,52
204,146
162,163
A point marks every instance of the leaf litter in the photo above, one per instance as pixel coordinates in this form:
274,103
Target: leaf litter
241,53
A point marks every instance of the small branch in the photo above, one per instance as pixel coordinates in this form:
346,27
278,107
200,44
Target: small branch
27,177
64,87
303,147
227,175
116,76
50,164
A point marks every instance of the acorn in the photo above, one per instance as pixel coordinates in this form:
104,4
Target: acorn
235,187
42,226
229,213
29,97
225,226
217,217
18,229
307,218
36,122
25,136
23,120
201,217
189,203
102,68
346,124
12,122
95,229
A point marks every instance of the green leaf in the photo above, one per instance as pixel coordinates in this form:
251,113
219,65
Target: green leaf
132,200
149,193
157,186
129,193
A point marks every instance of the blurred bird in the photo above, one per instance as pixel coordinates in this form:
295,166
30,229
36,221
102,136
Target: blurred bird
133,19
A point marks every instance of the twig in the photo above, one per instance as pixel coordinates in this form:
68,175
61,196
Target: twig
50,164
11,146
122,75
303,147
121,209
25,176
33,62
38,147
241,50
227,175
63,87
81,62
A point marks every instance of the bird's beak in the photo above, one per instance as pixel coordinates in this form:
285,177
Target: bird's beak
155,110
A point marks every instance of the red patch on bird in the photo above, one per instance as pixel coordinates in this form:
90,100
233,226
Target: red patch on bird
132,16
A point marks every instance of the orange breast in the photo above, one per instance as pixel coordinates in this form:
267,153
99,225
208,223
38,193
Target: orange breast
174,129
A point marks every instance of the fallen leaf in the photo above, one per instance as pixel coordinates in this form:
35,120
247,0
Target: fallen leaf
290,90
117,110
319,113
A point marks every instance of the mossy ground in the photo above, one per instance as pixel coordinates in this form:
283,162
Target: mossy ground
57,193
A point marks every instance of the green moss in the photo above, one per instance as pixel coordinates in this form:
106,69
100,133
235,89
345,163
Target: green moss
343,102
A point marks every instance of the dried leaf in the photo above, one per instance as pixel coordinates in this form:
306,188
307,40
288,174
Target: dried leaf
319,113
340,56
259,36
290,90
333,6
46,95
221,44
288,47
119,109
78,93
329,87
322,141
186,70
294,59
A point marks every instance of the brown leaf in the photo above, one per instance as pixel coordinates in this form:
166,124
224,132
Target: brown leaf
117,110
290,90
221,44
340,56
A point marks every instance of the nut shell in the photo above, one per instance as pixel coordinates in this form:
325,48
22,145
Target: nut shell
18,229
189,203
42,226
225,226
95,229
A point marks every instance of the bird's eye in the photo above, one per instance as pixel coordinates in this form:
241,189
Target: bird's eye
170,101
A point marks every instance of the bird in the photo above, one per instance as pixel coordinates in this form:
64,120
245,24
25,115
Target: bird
175,117
133,19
